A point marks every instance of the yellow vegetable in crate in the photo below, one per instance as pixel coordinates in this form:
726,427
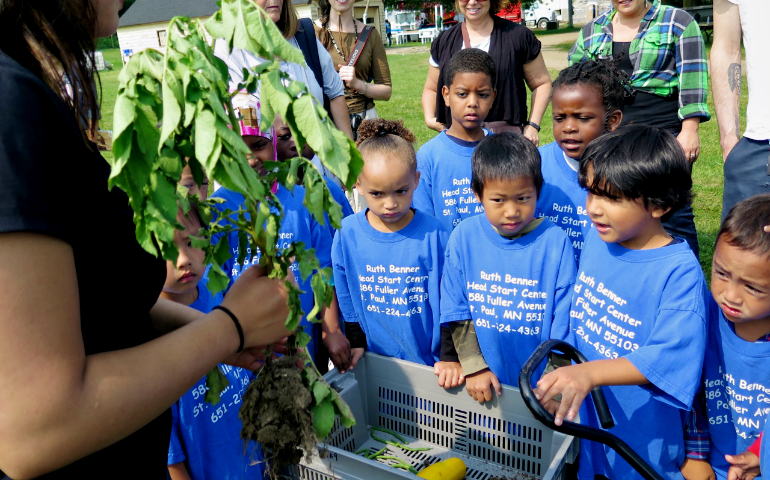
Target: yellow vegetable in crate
449,469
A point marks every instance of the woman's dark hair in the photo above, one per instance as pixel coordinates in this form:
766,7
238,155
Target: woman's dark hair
744,226
638,162
55,40
612,83
389,138
505,156
288,23
470,60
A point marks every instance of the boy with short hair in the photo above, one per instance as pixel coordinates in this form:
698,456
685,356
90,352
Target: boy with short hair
507,275
444,162
735,388
639,308
205,438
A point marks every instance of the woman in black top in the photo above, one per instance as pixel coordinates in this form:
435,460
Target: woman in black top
518,61
86,376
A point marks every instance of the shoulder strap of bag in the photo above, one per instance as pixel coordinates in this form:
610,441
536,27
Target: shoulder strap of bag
306,40
466,37
359,46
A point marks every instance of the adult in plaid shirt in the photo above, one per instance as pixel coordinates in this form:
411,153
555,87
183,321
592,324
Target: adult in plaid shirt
661,49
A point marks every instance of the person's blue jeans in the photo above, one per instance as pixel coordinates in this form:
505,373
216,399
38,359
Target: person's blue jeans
747,172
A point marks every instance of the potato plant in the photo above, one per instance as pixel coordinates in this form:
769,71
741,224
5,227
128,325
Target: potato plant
174,110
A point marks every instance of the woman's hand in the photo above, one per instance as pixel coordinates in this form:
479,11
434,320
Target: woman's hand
532,134
260,304
689,140
348,75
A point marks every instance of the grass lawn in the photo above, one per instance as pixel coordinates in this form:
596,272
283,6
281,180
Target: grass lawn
409,71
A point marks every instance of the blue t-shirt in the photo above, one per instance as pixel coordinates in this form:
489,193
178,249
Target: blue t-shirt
208,436
389,284
562,199
511,289
339,196
298,226
445,189
648,306
736,388
764,450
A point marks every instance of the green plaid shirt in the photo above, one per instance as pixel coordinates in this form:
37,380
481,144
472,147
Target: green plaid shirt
667,54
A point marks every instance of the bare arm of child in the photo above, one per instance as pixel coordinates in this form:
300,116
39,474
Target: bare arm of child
575,382
694,469
479,380
177,471
334,339
448,368
744,466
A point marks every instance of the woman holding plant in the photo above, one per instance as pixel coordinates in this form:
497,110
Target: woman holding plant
87,374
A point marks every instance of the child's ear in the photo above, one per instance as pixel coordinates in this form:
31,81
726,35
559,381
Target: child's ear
658,212
494,94
613,121
416,178
478,197
445,94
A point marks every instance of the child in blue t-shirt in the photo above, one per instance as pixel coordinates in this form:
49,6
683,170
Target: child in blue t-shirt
639,305
587,102
507,275
734,395
298,225
205,438
444,162
388,259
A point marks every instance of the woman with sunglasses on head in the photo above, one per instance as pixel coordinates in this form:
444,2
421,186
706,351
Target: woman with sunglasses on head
518,61
367,76
661,49
88,368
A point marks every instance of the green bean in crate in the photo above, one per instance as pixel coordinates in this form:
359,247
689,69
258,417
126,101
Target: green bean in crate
496,440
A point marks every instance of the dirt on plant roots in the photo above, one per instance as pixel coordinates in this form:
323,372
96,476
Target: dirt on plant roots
276,413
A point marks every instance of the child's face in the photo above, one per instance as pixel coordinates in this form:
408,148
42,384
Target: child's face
183,276
469,98
509,204
388,186
284,143
627,222
740,284
579,117
188,181
261,151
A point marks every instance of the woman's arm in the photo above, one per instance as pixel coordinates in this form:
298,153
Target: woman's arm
341,115
59,404
726,73
692,76
429,100
538,80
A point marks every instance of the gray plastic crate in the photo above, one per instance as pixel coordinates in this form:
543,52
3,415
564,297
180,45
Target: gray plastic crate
497,440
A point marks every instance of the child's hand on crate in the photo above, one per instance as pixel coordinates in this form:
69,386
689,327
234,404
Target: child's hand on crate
450,374
356,354
339,348
479,385
694,469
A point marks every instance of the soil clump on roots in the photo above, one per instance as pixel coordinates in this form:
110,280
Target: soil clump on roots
276,413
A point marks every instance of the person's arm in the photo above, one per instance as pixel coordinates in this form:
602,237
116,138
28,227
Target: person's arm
375,91
333,338
575,382
60,404
479,379
380,88
341,115
539,82
726,73
178,471
429,100
696,464
692,77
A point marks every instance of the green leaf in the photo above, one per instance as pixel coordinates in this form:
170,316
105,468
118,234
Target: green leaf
323,419
311,126
205,136
163,197
295,306
170,163
314,194
342,410
216,382
218,279
321,390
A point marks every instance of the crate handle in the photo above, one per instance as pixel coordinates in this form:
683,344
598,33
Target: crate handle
575,429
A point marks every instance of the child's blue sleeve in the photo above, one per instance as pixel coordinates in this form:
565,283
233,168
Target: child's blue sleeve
423,195
341,286
672,357
175,451
454,296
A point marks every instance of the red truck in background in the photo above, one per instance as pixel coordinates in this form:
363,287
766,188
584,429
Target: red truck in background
512,12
